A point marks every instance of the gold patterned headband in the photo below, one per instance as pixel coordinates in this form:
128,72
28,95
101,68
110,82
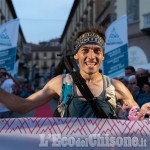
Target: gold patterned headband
88,38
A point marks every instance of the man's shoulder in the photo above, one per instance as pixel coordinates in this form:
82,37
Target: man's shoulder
57,78
54,86
108,80
56,81
107,77
112,81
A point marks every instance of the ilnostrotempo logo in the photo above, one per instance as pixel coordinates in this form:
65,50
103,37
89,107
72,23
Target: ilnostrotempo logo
113,38
4,38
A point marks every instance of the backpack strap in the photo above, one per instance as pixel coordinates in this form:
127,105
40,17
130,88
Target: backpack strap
107,81
110,97
106,84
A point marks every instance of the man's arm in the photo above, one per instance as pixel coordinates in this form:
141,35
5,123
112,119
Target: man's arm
123,94
20,105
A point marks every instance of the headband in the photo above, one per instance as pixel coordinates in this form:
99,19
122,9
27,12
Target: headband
88,38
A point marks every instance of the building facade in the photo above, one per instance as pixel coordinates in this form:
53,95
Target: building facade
44,61
138,13
102,13
7,13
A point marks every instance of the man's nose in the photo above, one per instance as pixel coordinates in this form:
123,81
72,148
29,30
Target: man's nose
91,54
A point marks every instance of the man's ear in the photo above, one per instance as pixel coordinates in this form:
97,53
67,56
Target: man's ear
76,56
103,57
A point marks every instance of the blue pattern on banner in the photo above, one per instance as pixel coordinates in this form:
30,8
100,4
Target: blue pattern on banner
8,58
114,38
116,60
120,72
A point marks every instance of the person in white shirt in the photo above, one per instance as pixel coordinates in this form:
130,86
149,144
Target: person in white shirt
6,83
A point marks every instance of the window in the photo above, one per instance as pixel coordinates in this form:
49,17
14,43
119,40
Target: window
45,55
45,66
36,56
53,56
133,10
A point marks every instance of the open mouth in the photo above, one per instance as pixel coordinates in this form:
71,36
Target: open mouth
91,64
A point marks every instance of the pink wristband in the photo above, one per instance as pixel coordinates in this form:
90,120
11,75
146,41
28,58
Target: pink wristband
133,113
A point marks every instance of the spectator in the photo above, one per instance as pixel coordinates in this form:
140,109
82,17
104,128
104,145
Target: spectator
123,80
7,85
141,90
52,71
132,86
26,90
130,70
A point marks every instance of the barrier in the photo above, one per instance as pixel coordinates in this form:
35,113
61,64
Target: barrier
66,133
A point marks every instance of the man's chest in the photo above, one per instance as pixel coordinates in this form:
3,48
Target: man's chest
95,88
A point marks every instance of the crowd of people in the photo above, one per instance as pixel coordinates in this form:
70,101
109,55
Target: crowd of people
138,83
13,86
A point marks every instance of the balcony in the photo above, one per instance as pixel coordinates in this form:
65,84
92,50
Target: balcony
146,23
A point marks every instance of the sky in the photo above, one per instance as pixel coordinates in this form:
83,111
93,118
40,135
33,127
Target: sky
42,20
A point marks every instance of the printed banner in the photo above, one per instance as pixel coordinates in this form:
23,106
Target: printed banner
116,48
8,44
76,133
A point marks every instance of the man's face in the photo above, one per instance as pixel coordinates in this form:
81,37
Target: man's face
129,72
90,58
141,72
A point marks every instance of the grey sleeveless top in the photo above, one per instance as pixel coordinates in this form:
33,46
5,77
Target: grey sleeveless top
77,107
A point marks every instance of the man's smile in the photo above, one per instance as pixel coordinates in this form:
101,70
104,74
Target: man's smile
91,64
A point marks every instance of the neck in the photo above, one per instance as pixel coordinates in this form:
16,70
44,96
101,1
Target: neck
91,77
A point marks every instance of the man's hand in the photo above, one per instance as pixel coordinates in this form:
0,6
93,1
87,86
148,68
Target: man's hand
133,113
145,109
126,106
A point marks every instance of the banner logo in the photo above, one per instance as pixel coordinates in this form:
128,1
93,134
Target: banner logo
8,44
114,38
92,140
4,38
116,48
